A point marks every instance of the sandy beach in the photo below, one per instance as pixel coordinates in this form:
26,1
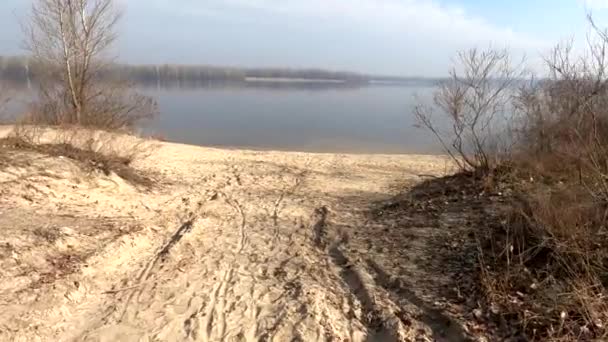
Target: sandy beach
227,245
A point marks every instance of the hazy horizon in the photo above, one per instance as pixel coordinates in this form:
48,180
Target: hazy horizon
414,38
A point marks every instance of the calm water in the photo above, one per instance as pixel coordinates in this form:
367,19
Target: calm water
375,119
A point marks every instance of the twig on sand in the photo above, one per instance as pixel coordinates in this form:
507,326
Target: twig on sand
123,289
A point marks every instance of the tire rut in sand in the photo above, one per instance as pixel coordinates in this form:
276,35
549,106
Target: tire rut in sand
146,272
210,303
240,272
373,315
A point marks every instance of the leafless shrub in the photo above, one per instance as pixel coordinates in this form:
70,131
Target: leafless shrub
546,267
69,41
474,102
114,107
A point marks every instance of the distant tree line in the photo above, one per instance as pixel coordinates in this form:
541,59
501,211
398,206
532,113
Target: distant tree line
21,69
15,69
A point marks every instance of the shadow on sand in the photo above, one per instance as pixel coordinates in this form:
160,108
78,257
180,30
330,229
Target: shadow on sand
420,248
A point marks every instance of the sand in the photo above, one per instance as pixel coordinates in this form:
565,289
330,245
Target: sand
228,245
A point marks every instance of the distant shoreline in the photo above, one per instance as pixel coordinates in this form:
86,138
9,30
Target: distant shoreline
21,69
292,80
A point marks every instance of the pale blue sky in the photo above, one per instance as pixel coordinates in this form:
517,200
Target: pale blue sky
404,37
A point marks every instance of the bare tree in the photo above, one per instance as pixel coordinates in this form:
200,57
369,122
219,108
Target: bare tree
70,41
473,103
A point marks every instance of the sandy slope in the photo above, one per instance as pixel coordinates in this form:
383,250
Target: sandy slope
229,246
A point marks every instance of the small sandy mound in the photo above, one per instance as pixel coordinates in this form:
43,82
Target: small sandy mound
230,245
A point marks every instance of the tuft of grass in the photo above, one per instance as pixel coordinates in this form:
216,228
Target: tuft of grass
92,151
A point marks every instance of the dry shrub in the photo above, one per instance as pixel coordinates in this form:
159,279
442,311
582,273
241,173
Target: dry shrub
472,105
112,106
94,150
544,260
545,268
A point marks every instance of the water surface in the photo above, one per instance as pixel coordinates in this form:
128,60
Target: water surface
372,119
294,117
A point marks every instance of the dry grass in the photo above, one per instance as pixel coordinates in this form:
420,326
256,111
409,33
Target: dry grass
93,150
545,266
554,246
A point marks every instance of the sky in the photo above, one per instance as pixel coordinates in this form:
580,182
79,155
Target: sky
392,37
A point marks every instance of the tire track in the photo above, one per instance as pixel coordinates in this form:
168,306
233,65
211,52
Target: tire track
146,273
217,309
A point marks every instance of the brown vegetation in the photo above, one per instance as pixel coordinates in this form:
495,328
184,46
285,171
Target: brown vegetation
93,150
544,257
